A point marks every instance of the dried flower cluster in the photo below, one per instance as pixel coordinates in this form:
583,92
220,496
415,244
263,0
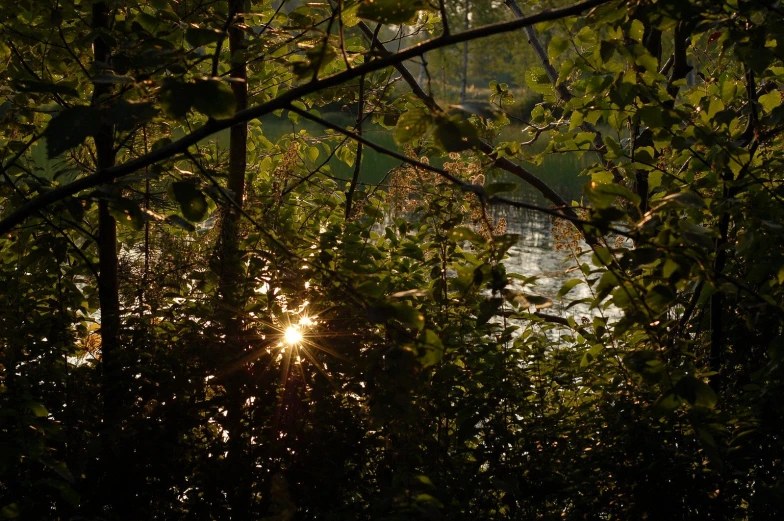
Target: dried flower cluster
484,224
408,185
566,236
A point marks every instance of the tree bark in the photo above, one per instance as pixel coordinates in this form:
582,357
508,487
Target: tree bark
114,495
237,478
464,86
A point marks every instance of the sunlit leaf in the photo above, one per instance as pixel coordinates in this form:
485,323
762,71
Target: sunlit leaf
412,125
192,202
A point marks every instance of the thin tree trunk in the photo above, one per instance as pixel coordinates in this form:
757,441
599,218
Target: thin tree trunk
238,463
358,162
464,86
717,300
113,493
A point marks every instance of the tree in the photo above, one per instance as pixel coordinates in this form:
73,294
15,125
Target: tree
201,319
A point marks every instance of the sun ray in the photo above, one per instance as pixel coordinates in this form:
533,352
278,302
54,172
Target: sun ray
320,369
325,349
284,377
301,369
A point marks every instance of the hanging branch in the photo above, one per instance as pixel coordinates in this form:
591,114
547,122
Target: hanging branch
283,101
560,89
533,40
562,212
483,146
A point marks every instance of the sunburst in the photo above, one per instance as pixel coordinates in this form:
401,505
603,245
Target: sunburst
292,336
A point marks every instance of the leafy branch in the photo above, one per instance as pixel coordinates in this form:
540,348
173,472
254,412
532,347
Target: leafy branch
281,102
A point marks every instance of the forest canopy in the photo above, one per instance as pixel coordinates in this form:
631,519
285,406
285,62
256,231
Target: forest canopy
257,259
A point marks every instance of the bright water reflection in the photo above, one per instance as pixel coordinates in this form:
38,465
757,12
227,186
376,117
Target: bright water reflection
535,255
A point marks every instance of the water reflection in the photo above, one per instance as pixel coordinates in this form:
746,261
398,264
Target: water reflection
535,255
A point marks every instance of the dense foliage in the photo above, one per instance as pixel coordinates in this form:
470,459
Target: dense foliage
203,316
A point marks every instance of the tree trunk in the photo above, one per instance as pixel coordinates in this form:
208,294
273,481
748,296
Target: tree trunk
113,492
464,86
238,478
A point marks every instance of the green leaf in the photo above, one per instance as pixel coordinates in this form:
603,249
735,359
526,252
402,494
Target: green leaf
316,57
412,125
557,46
465,234
127,115
127,213
391,11
568,286
213,98
430,348
647,62
640,361
606,51
603,195
455,134
149,22
408,315
666,403
70,128
38,410
770,101
651,116
537,80
199,36
192,201
5,51
10,511
696,392
175,98
349,15
637,31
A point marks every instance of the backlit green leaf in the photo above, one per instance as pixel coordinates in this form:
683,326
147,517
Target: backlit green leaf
412,125
192,201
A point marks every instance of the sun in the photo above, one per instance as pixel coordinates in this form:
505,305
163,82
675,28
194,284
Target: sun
292,336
